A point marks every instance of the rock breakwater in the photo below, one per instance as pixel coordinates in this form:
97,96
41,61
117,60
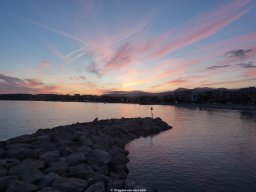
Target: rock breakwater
82,157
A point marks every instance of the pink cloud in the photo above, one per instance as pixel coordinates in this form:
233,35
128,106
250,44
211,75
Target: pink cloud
250,73
204,26
122,57
243,41
229,82
44,64
10,84
177,67
152,44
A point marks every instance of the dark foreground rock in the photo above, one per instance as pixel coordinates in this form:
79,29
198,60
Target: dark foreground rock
82,157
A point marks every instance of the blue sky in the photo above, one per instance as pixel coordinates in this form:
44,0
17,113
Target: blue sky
93,46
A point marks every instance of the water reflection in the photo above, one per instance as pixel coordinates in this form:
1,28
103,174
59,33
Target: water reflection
208,150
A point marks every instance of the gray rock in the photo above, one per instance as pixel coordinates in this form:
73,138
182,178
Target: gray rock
98,156
84,149
32,176
43,139
21,153
41,148
75,158
2,144
18,186
48,179
66,150
99,187
100,147
49,189
70,184
3,171
84,140
25,165
80,171
115,149
60,167
101,169
95,178
18,145
9,162
1,152
6,181
63,136
119,158
102,140
50,156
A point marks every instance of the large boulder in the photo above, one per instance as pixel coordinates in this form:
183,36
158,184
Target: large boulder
19,186
119,158
98,156
99,187
60,167
18,145
49,189
70,184
32,176
85,140
50,156
20,153
101,169
84,149
95,178
6,181
25,165
2,152
80,171
41,148
43,139
48,179
3,171
9,162
75,158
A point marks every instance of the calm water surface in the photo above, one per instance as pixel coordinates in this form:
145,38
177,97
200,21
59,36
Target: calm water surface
207,150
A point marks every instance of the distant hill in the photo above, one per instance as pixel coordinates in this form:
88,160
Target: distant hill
128,94
143,93
134,93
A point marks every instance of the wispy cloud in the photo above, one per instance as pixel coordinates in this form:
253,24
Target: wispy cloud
122,57
78,78
217,67
247,65
93,68
59,32
238,53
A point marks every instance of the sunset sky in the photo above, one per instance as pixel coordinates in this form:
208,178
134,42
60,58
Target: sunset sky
99,46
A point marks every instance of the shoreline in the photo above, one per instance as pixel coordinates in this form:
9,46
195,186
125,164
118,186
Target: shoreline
82,157
237,107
